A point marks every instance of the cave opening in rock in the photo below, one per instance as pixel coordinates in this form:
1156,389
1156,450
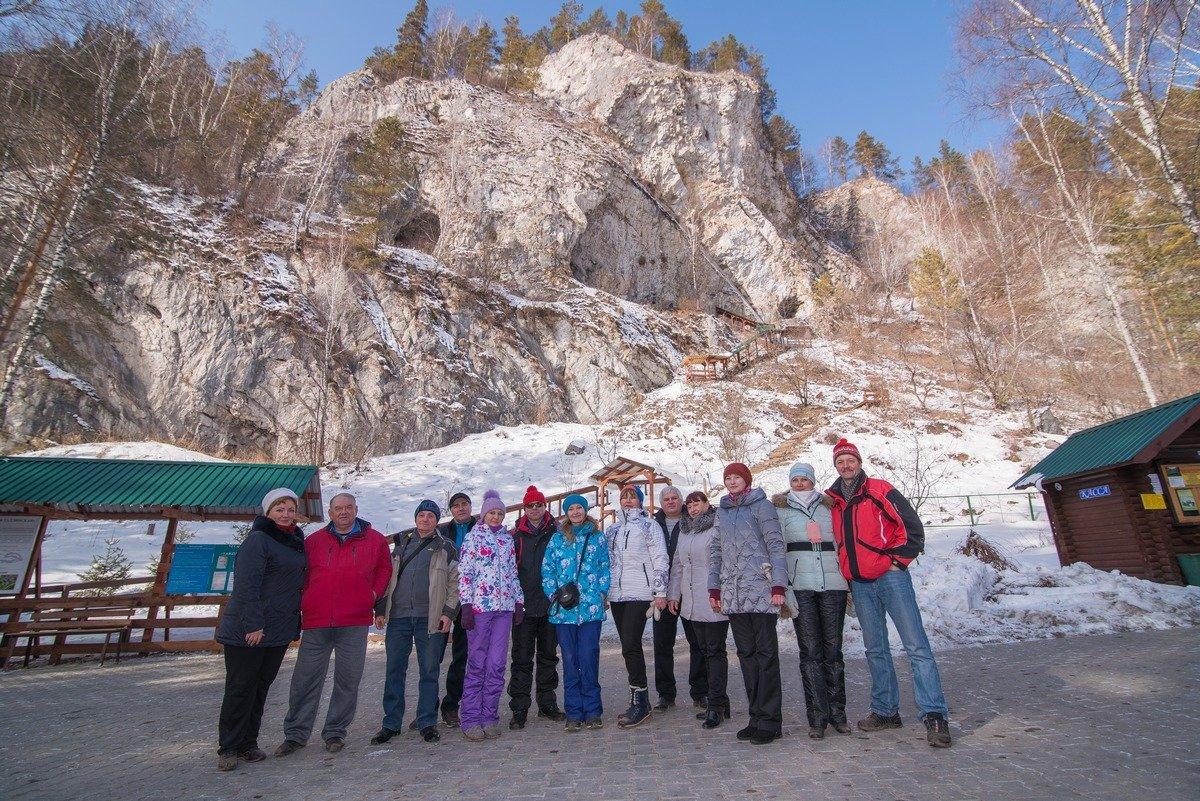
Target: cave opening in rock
419,233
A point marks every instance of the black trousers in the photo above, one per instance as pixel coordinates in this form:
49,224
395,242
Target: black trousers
665,629
710,639
758,654
819,619
630,619
249,671
535,637
456,674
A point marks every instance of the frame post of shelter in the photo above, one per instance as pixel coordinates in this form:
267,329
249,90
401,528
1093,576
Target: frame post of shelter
35,561
160,577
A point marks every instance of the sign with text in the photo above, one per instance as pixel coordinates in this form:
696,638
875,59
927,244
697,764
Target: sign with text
18,534
202,569
1102,491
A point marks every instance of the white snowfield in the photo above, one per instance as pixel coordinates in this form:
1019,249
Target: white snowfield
964,601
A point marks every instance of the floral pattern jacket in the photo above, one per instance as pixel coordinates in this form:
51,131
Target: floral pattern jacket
487,571
563,560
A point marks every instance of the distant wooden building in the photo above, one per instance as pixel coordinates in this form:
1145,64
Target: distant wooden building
1125,495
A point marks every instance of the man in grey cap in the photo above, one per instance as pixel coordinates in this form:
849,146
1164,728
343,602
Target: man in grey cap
670,519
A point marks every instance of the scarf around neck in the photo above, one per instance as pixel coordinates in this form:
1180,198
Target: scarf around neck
701,523
851,485
806,498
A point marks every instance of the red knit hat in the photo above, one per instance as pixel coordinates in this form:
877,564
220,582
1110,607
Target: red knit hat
738,469
845,446
533,495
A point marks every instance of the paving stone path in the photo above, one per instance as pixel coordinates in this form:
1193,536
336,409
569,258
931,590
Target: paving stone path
1105,717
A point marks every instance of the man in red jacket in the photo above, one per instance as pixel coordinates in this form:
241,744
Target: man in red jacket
878,534
348,569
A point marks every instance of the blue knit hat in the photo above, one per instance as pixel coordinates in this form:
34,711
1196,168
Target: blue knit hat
641,496
571,500
803,469
428,506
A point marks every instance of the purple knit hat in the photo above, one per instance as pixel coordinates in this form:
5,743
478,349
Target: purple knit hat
491,500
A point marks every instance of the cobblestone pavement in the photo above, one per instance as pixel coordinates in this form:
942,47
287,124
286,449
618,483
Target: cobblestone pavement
1085,717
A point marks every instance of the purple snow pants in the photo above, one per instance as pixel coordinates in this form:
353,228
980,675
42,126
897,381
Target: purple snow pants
487,657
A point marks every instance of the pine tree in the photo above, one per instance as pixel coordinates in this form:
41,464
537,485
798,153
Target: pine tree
519,56
597,22
936,287
874,159
564,26
383,170
481,54
112,565
785,142
409,51
675,49
620,30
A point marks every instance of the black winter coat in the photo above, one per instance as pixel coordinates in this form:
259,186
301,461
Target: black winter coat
531,550
268,580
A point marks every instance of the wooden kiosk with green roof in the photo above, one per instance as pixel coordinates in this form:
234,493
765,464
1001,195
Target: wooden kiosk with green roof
1125,495
36,490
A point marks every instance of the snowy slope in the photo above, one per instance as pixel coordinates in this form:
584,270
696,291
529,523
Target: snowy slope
678,429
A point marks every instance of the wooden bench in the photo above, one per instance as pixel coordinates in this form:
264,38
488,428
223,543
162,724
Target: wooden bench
59,626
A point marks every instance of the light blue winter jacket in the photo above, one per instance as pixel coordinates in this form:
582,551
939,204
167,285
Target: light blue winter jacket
807,569
559,567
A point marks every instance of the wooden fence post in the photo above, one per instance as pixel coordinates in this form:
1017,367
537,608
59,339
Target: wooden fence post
158,589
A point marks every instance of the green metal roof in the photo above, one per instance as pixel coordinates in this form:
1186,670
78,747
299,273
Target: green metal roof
1126,440
112,487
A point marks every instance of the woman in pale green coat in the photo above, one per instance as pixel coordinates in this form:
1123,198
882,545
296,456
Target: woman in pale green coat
820,593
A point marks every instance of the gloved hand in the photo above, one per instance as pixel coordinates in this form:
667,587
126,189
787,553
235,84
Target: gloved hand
519,614
467,618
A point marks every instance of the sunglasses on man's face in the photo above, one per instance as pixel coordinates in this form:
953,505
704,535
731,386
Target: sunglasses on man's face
535,505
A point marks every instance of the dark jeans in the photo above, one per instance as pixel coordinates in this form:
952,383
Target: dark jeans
710,638
819,619
758,653
535,635
630,620
457,671
249,672
665,629
403,634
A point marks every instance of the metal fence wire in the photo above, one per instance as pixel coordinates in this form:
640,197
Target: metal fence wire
949,511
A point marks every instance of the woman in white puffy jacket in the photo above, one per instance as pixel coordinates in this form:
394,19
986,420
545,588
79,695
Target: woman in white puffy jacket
638,558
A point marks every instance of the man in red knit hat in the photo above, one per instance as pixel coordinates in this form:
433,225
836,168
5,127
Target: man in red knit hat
535,636
878,534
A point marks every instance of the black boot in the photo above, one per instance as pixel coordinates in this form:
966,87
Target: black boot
663,704
722,710
714,715
639,708
937,730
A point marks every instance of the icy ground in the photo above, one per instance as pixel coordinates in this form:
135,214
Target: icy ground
678,429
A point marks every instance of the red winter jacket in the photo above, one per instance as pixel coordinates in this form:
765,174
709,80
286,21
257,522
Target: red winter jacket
344,579
875,529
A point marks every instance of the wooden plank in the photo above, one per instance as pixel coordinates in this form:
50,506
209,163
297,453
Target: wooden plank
160,576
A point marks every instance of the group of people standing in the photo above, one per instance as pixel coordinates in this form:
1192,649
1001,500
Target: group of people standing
515,600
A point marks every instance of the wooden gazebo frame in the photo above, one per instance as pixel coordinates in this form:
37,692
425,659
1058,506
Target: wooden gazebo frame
622,471
62,488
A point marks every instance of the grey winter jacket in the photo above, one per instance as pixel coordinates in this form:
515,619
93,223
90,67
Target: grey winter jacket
268,580
747,555
689,570
815,570
637,557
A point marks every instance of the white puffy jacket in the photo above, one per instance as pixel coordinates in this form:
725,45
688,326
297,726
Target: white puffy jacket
637,556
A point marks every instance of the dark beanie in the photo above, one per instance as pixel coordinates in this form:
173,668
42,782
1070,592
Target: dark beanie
459,496
428,506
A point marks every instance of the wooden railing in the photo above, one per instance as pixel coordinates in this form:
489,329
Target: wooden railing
58,601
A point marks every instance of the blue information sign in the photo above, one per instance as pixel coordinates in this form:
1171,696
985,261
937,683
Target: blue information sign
202,569
1102,491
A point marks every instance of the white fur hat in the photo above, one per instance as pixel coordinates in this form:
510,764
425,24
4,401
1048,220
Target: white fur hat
278,494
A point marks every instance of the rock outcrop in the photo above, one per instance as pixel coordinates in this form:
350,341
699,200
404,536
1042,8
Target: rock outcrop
534,271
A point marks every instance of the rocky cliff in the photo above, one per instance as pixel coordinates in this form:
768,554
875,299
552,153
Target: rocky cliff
532,272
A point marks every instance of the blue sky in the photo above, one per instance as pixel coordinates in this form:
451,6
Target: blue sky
838,66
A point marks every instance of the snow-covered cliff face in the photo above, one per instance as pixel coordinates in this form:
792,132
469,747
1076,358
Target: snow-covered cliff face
532,271
697,140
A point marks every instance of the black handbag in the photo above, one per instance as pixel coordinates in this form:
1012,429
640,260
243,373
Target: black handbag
567,596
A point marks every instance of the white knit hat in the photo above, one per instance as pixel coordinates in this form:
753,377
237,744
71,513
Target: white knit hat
277,494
